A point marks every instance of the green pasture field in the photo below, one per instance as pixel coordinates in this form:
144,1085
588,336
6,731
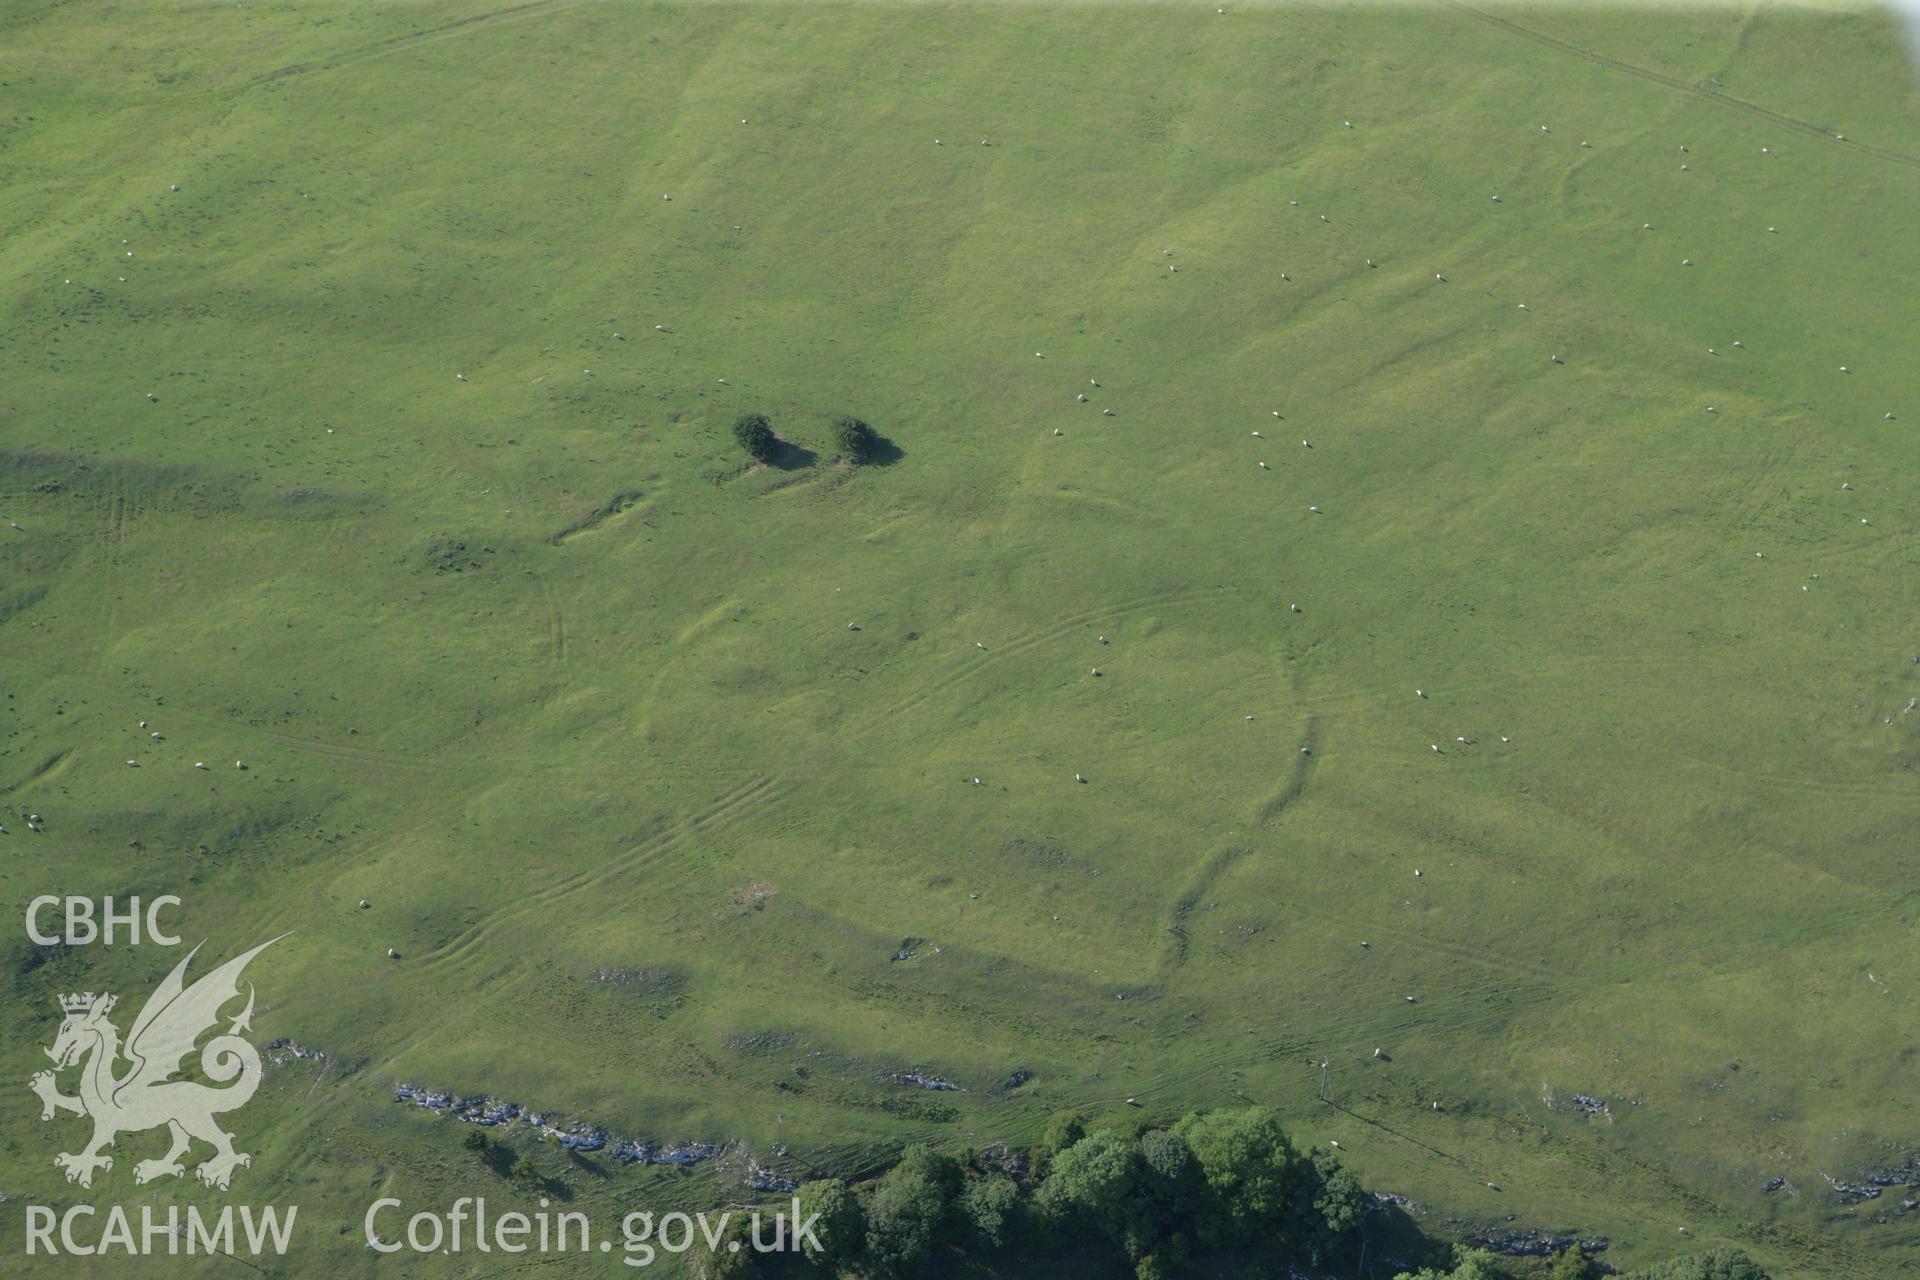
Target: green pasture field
651,764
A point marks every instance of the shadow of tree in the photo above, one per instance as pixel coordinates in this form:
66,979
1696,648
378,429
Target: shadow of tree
788,456
585,1165
882,453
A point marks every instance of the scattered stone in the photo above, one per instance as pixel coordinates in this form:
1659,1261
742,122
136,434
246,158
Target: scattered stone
576,1136
283,1050
1534,1244
922,1080
762,1179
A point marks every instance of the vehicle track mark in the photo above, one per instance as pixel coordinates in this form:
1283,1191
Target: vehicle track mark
757,792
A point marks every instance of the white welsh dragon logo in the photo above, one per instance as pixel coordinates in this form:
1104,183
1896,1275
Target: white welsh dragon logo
147,1096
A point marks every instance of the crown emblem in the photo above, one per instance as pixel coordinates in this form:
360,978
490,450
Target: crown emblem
80,1003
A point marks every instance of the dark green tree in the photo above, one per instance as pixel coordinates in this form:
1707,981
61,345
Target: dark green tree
1326,1223
838,1234
754,434
911,1211
1170,1174
729,1257
1574,1264
1256,1183
1468,1264
993,1210
853,439
1715,1264
1063,1130
1157,1266
1097,1181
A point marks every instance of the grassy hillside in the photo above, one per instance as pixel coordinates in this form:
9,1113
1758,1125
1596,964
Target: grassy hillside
532,662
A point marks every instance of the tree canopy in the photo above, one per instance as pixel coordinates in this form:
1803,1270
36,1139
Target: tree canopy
853,438
754,434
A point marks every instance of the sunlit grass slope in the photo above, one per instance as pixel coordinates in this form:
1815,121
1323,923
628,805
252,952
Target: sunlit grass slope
528,659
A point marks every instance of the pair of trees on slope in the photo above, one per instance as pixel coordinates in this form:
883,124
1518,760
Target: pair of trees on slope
853,439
